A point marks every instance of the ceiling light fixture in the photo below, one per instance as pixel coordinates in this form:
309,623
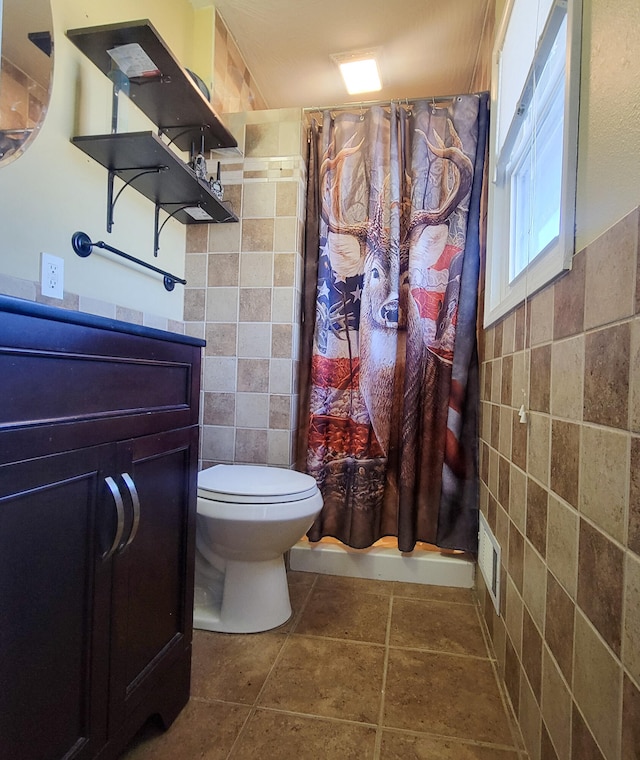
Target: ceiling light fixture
359,71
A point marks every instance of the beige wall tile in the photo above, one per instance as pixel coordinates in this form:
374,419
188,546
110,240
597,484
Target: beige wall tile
567,376
556,706
257,235
568,318
600,583
222,305
534,590
252,410
496,381
513,616
631,628
284,270
597,686
541,311
519,392
562,543
223,270
259,200
221,339
251,446
219,409
256,270
280,412
280,374
286,235
262,140
634,379
539,442
194,304
610,290
565,460
253,375
505,431
508,334
255,305
224,238
518,498
279,451
283,305
197,236
195,269
529,718
218,443
287,194
254,339
219,374
604,465
507,380
281,341
540,378
606,376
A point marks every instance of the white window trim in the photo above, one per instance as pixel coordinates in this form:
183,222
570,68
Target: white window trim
501,296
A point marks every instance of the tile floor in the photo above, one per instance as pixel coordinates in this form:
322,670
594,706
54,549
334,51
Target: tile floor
369,670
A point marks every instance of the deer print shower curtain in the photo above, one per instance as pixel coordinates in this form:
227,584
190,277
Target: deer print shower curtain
388,423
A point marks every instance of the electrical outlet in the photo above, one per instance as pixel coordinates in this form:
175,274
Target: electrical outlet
52,283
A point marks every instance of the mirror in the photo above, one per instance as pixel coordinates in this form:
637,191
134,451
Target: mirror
26,57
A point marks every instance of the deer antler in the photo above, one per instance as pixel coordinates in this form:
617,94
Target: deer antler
462,184
337,224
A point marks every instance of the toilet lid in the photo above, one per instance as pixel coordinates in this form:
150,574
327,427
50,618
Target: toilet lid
240,483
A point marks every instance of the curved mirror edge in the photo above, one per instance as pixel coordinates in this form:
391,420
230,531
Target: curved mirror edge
26,74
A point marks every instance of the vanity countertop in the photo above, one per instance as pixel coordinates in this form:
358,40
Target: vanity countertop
55,313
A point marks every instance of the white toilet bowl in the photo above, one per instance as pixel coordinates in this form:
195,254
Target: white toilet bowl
248,517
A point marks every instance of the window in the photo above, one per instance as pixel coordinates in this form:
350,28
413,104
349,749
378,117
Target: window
533,150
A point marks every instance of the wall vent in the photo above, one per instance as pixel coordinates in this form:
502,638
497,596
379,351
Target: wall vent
489,561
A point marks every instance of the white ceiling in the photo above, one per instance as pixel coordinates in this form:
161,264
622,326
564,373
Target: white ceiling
429,47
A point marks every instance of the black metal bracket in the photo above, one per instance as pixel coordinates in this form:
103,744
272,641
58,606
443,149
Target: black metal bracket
83,246
111,200
157,227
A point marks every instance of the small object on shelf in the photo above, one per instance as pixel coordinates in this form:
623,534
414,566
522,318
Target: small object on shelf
216,185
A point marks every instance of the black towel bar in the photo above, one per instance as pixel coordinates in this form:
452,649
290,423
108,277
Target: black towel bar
83,246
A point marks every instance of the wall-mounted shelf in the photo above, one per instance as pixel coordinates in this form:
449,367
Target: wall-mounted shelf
174,184
168,96
171,100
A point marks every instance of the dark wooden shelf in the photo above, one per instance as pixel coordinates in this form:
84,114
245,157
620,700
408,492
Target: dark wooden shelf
128,153
172,100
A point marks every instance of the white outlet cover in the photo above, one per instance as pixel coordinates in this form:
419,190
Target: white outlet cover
52,276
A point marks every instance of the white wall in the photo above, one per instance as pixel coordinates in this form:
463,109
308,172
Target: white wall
609,127
54,189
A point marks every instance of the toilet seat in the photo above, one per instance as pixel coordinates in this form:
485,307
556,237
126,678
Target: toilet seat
249,484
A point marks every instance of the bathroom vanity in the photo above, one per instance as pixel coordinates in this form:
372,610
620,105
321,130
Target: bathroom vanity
98,467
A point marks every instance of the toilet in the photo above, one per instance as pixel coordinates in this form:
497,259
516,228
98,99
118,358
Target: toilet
248,517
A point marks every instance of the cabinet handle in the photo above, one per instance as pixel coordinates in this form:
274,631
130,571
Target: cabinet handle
117,498
135,500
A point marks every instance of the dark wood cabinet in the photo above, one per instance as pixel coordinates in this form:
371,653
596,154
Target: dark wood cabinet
98,467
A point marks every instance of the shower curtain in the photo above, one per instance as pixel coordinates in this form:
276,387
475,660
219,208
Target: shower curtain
389,367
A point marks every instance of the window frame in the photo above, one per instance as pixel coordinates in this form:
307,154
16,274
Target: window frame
501,294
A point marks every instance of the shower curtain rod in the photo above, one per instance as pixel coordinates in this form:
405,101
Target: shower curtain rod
399,101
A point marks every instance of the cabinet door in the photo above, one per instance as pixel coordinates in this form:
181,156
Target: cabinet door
153,580
56,522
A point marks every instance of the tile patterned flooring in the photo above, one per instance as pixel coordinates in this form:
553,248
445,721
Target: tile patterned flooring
369,670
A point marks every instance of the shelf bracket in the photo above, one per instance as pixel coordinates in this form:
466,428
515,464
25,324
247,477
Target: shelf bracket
111,200
157,229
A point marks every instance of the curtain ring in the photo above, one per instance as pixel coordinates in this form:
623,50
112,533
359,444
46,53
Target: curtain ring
361,112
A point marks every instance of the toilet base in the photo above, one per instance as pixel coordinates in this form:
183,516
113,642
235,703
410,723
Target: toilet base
255,597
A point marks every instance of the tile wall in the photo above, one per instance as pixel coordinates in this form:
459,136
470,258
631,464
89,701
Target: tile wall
30,290
234,89
244,294
562,494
